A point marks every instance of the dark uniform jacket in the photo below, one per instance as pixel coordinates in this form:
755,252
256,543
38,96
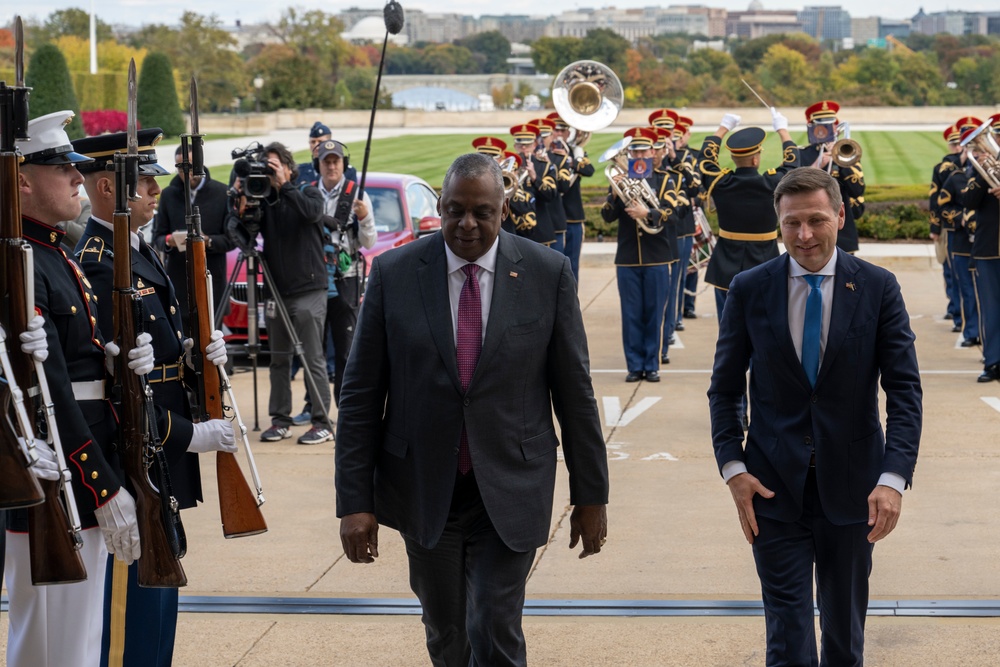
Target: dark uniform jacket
852,190
522,218
211,202
65,298
546,194
744,199
562,165
942,170
954,219
977,197
163,322
572,199
686,165
637,247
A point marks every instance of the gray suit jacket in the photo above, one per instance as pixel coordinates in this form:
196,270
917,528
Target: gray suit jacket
402,407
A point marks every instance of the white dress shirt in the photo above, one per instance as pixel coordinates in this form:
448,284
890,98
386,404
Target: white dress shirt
798,293
456,279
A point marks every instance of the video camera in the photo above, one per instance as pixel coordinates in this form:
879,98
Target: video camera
253,169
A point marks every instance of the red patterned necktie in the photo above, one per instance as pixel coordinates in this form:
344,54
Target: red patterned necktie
468,346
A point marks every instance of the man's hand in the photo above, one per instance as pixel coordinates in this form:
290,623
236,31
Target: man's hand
995,192
730,121
529,166
637,210
120,527
359,535
778,120
141,356
884,505
360,209
743,487
33,340
215,351
214,435
935,237
279,177
47,465
589,523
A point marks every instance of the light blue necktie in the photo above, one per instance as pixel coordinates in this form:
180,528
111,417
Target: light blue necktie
812,328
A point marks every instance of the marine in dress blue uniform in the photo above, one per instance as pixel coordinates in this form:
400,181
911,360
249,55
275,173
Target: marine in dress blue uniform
140,623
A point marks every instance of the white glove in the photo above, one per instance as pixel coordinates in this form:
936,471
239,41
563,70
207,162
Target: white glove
34,341
215,435
215,351
730,121
120,527
47,466
779,120
141,356
578,153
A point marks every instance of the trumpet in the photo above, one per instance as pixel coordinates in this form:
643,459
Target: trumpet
988,162
513,176
629,189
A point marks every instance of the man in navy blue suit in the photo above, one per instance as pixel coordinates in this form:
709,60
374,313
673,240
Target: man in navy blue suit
818,482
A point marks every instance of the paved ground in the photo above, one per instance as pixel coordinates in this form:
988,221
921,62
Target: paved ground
673,530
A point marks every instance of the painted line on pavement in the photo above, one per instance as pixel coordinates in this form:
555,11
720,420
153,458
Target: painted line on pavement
991,401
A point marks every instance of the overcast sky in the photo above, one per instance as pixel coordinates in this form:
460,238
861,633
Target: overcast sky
138,12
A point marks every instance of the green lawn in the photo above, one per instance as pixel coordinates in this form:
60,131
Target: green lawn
888,158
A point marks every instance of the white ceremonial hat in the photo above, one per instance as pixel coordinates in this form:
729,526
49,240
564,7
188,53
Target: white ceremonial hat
49,143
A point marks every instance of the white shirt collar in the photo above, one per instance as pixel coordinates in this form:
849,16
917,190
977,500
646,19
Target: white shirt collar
488,261
134,238
332,192
829,269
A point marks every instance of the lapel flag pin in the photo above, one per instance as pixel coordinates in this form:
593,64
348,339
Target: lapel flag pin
850,286
513,274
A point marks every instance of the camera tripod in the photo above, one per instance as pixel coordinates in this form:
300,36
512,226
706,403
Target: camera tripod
252,259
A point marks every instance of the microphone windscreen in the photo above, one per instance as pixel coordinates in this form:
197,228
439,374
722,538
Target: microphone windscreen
393,14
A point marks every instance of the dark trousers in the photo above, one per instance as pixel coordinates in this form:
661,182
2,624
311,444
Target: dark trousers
560,243
574,245
642,291
145,619
471,588
690,291
987,276
962,278
951,286
341,320
720,301
675,290
785,554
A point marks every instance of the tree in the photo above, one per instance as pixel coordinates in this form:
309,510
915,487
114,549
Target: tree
52,87
200,48
314,34
291,80
786,75
551,54
605,46
111,56
449,59
157,104
491,49
63,22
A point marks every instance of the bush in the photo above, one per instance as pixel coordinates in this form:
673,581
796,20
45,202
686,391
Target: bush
105,120
895,221
52,87
157,104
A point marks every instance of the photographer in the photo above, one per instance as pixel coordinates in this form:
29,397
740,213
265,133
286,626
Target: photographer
352,226
290,219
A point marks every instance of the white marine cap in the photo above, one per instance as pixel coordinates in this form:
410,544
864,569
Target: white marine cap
49,143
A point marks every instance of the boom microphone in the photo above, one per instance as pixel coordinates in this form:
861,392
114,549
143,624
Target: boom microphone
393,15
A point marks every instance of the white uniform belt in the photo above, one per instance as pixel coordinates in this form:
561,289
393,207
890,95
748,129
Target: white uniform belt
89,391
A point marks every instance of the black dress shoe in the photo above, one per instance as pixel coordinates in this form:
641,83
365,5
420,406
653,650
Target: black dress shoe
664,359
672,341
689,315
957,328
633,376
990,374
970,342
652,376
679,326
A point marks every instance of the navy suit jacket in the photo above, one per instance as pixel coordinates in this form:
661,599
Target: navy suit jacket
402,406
869,343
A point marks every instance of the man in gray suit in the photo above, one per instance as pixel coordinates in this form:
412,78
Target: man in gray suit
467,341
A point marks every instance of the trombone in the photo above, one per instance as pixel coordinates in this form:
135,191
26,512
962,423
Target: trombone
845,152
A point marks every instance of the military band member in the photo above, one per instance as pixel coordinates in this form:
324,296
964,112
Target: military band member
140,623
984,198
497,149
521,218
643,261
822,124
670,177
954,224
696,194
577,166
540,183
55,626
558,159
748,226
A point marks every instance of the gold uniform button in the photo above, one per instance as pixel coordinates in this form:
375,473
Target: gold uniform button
95,298
104,493
179,336
173,310
87,295
72,309
93,320
93,475
152,318
83,457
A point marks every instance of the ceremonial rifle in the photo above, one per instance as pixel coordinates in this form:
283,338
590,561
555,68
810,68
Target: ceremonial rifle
157,510
241,515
